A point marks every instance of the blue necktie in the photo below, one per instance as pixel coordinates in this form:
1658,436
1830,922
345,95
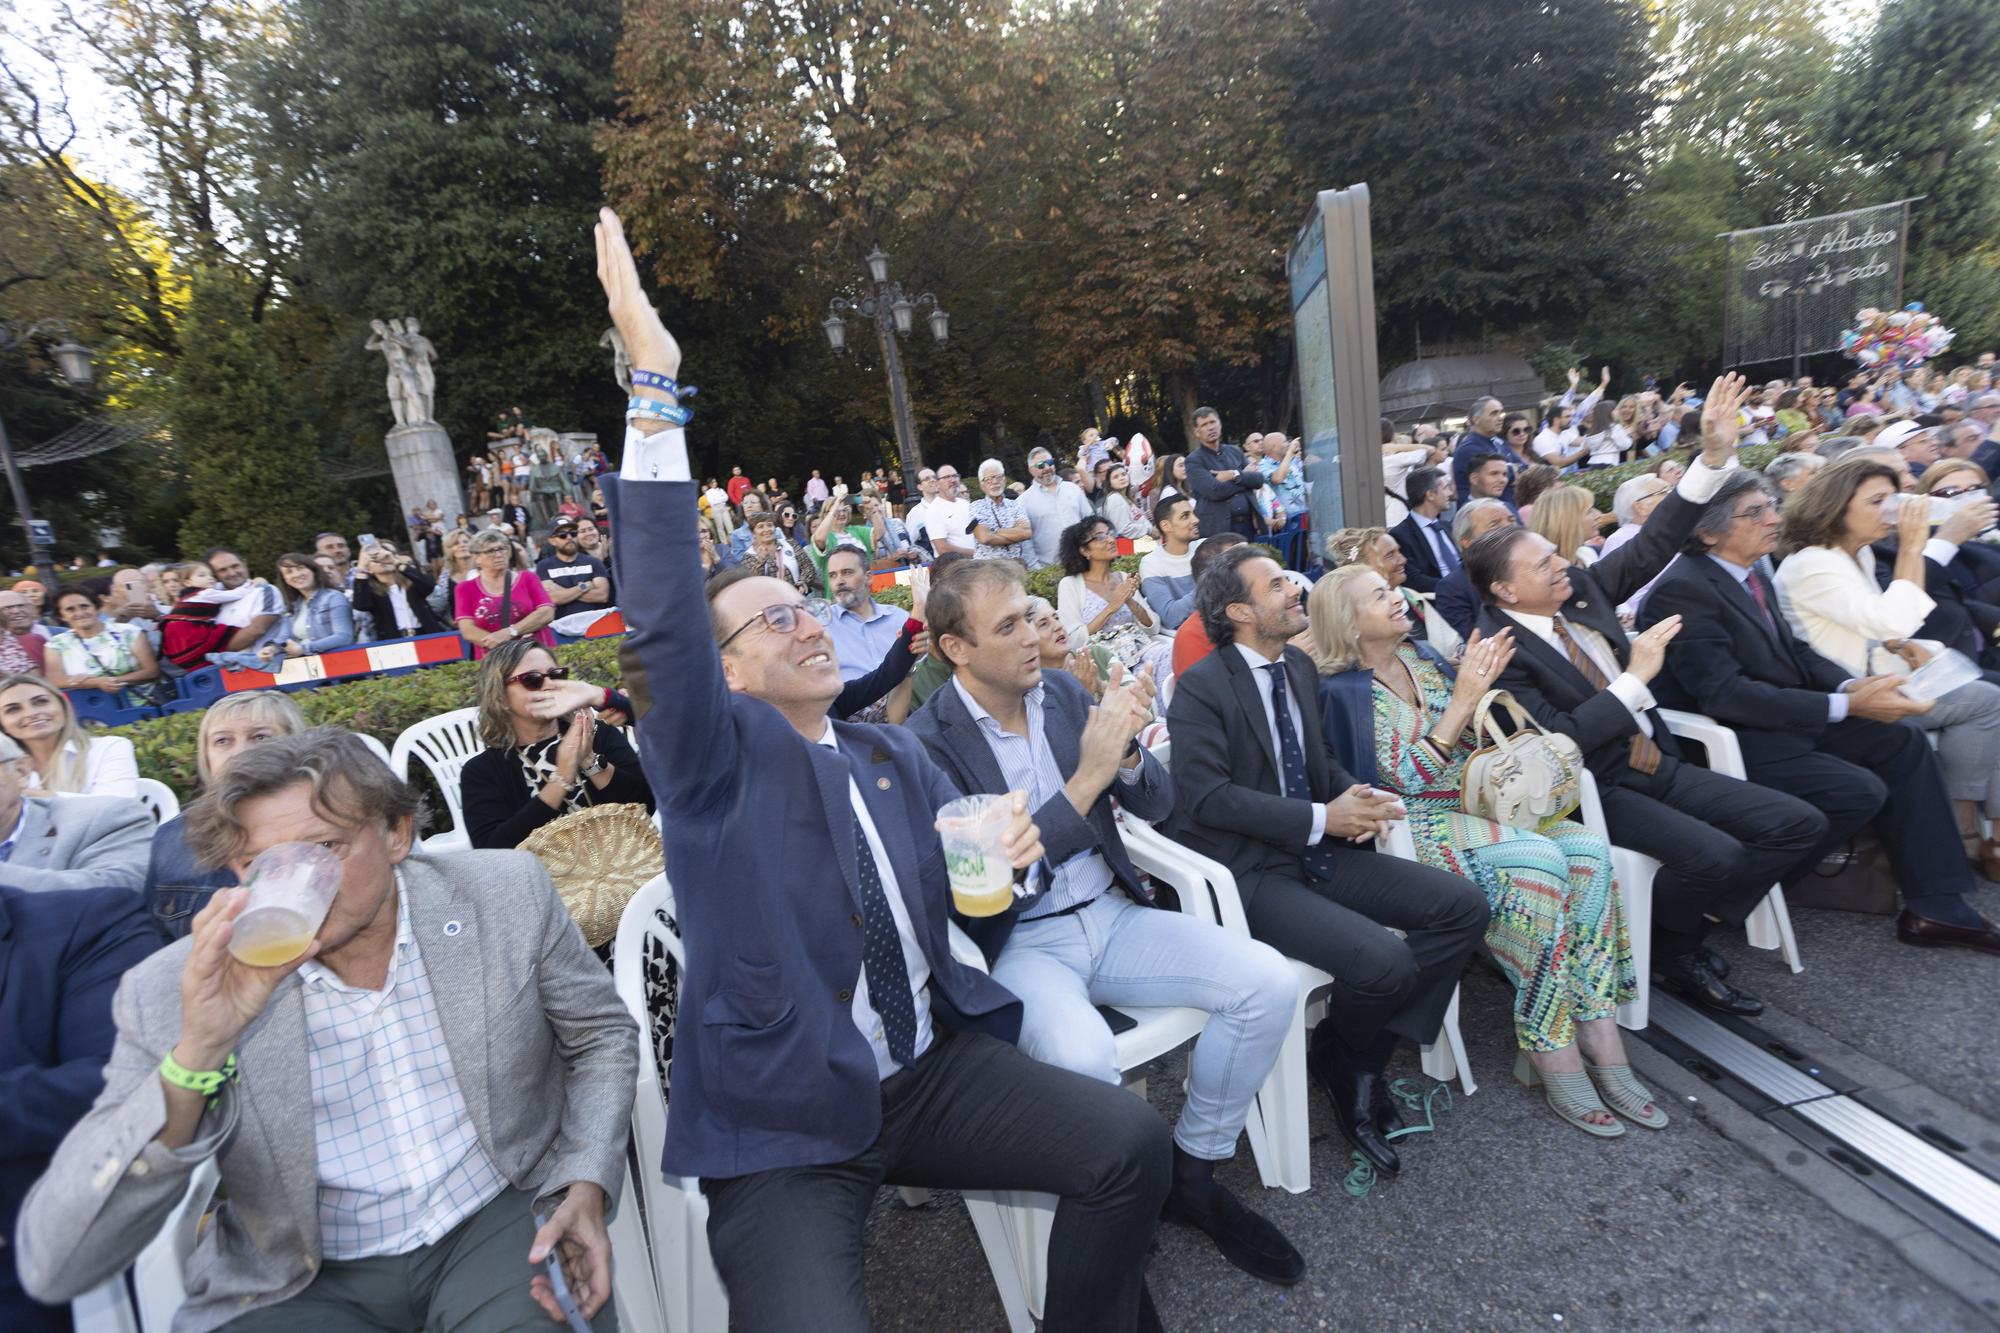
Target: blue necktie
882,957
1318,861
1447,558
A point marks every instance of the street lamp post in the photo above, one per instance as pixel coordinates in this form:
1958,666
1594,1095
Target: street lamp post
893,314
73,362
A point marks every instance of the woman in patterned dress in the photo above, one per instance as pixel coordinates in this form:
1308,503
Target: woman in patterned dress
1398,719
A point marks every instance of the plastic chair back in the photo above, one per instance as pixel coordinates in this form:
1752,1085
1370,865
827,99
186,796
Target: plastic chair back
443,743
159,800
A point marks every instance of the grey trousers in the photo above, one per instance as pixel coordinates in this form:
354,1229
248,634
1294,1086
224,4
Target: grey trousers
1967,722
475,1280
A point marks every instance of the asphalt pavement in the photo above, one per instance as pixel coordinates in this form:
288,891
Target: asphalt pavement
1505,1218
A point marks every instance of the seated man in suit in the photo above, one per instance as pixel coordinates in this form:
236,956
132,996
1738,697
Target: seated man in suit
1089,936
1456,600
1255,788
61,957
831,1042
1424,535
1721,842
68,842
1806,727
393,1111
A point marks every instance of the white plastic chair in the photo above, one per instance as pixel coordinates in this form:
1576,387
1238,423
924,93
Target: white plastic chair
380,751
1770,925
159,800
1634,873
443,743
1279,1127
687,1283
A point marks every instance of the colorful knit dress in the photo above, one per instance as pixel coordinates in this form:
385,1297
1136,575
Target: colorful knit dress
1557,929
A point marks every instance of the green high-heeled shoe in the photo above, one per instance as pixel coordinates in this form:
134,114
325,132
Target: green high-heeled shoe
1570,1095
1625,1095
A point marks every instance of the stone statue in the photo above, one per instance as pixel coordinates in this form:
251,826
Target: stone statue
400,383
419,353
621,363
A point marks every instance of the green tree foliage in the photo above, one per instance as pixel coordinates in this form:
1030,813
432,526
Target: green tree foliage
1496,141
1916,104
254,475
440,164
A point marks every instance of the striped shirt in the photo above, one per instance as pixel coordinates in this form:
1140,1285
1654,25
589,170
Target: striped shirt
400,1162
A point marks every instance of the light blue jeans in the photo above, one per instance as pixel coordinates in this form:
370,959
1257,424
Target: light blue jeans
1117,952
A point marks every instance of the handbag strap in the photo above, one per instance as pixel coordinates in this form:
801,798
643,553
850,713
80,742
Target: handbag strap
1483,723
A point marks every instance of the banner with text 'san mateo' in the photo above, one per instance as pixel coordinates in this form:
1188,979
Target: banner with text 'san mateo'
1791,289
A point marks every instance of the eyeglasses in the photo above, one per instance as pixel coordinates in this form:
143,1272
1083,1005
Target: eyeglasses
1757,511
534,680
1101,535
1044,465
1517,430
1953,492
782,618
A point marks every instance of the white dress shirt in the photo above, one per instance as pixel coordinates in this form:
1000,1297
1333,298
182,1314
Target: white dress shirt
1625,687
1258,672
914,962
399,1159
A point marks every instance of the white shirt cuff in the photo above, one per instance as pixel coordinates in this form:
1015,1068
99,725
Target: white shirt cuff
1132,774
1836,706
661,456
1629,690
1700,482
1940,550
1319,825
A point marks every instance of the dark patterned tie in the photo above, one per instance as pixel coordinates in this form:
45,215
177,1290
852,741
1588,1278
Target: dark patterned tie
1643,755
882,956
1762,598
1318,861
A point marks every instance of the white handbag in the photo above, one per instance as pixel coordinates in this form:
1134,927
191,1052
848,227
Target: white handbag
1530,779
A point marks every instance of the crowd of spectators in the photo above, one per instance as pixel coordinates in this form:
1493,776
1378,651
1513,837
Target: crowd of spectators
434,1099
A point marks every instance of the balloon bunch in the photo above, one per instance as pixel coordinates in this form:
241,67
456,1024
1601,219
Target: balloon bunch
1905,338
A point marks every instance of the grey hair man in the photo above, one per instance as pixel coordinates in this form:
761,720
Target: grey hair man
445,1063
1984,408
67,842
1051,505
1788,472
1961,439
999,521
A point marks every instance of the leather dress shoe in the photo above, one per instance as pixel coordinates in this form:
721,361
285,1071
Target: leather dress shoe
1243,1237
1352,1093
1914,929
1690,977
1716,962
1388,1116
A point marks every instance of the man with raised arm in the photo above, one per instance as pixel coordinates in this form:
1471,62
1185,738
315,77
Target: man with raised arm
831,1041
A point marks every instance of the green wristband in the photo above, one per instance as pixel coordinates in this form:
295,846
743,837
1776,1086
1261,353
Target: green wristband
207,1082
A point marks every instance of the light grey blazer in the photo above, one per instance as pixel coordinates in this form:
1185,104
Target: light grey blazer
80,842
544,1051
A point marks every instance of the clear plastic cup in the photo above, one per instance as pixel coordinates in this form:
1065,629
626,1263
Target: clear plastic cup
292,885
973,830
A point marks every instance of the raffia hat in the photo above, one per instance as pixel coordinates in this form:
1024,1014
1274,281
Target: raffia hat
598,859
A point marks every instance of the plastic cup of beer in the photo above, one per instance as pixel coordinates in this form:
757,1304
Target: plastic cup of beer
291,886
973,830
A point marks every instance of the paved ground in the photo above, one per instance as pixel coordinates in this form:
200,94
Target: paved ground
1506,1219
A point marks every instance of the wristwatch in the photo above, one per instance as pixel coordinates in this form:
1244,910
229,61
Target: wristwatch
596,766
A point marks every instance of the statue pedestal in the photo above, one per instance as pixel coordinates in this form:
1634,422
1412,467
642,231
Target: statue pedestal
420,458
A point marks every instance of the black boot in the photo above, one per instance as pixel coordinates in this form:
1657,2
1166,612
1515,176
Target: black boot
1244,1238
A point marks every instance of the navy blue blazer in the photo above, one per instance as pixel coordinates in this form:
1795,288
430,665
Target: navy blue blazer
1223,506
1347,714
947,727
769,1068
61,957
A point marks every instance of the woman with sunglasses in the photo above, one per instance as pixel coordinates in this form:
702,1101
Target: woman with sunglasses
537,768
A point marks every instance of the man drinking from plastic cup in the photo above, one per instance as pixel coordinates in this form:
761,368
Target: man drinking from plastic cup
445,1060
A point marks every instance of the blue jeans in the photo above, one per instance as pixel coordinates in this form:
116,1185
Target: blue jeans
1117,952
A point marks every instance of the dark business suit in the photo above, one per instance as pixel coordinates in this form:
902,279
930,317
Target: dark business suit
953,737
1457,603
1720,842
1470,446
1421,569
1223,506
777,1100
61,958
1227,806
1749,672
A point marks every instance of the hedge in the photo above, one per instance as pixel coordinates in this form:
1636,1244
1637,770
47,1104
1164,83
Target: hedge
382,706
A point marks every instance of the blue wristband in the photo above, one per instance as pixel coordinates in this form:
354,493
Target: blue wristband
645,409
655,379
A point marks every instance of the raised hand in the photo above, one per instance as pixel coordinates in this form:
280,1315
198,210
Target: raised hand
1913,522
1480,666
647,341
221,995
1649,650
565,696
1721,420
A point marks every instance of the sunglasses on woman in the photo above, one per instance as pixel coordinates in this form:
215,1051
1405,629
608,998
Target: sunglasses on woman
534,680
1517,430
1953,492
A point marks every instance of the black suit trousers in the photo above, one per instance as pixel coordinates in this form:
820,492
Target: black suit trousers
1884,771
1340,925
971,1113
1721,843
